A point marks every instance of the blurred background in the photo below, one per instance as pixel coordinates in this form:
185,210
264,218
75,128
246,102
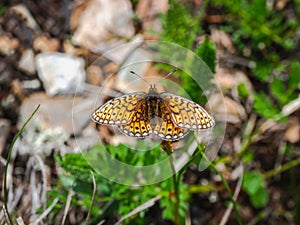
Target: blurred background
47,56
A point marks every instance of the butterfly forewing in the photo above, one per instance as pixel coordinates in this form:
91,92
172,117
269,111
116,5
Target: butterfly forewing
118,110
186,113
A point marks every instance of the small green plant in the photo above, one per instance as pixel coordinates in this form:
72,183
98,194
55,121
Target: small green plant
123,198
7,164
282,91
254,186
257,29
179,26
2,9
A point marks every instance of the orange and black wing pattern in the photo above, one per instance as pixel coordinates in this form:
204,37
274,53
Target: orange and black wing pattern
186,113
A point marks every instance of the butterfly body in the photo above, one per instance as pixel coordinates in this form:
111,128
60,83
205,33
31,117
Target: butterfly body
168,116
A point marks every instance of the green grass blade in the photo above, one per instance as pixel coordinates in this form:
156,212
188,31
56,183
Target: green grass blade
8,159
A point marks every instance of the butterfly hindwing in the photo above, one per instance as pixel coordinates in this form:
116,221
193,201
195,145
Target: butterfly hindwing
186,113
165,128
140,125
118,110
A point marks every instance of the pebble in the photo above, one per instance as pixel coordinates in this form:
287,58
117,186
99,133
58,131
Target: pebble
8,45
292,134
27,63
44,44
61,73
108,20
94,75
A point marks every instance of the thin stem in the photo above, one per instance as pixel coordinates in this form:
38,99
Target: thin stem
282,168
8,160
176,178
176,190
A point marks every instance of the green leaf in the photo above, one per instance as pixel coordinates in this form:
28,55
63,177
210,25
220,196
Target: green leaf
262,70
254,186
242,90
248,157
264,106
253,181
294,75
260,198
278,89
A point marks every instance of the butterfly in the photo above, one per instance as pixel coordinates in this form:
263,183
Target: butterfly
139,114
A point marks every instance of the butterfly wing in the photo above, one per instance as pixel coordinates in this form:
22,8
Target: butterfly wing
139,126
164,126
186,113
118,110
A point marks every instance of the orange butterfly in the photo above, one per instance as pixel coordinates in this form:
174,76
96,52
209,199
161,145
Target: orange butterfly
140,114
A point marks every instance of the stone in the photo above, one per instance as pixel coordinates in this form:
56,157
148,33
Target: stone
72,114
27,62
94,75
44,44
292,133
61,73
8,45
107,20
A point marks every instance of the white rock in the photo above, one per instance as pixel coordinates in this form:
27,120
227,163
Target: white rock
26,62
72,114
104,20
61,73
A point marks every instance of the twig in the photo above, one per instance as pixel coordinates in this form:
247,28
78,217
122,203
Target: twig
2,160
252,136
235,195
8,221
212,165
45,213
20,221
291,107
93,199
67,207
140,208
8,160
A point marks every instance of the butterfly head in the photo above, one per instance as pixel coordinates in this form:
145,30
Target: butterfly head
152,89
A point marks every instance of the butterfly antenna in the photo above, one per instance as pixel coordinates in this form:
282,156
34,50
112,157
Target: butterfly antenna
140,77
169,74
